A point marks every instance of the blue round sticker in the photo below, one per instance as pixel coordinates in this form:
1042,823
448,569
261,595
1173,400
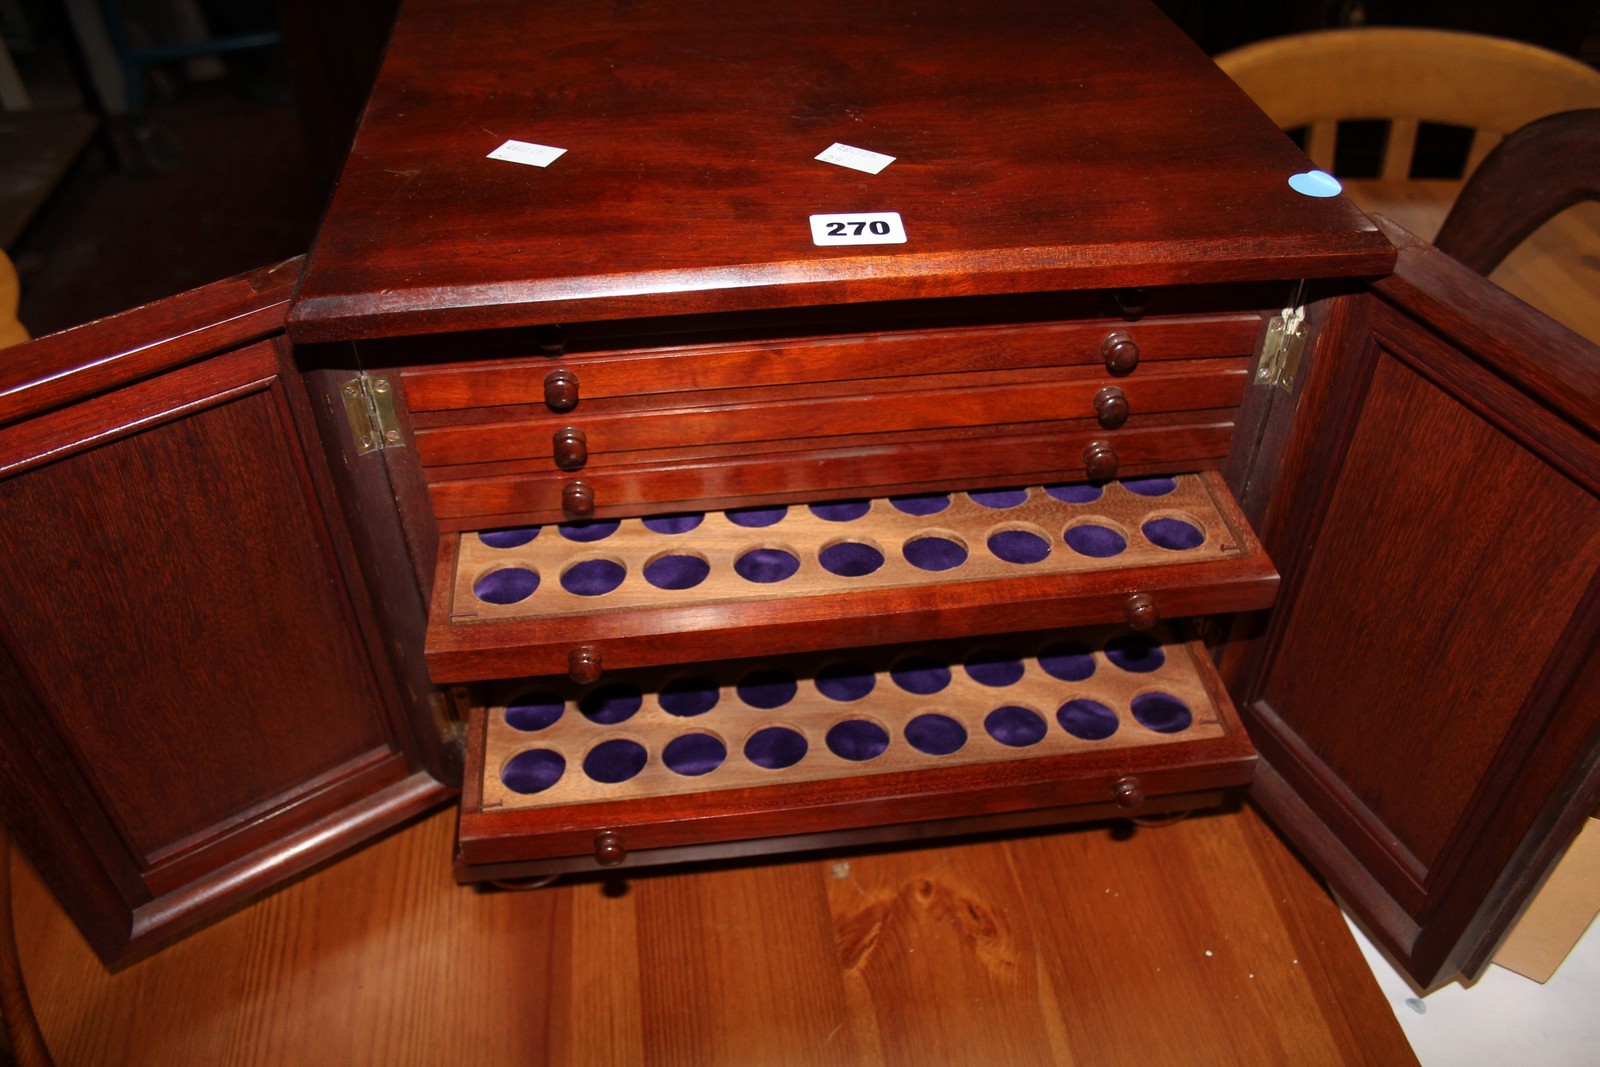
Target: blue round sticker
1315,183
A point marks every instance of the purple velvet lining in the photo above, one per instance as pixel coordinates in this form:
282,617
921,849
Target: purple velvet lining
593,577
920,675
765,565
692,755
999,498
1019,546
934,553
589,529
1087,719
682,522
857,740
775,748
767,689
506,585
1136,653
936,735
845,681
841,510
611,704
1075,493
1070,663
1096,542
1162,712
514,537
1174,534
533,771
850,559
921,503
615,761
676,572
1150,486
992,667
1014,726
684,697
534,711
752,517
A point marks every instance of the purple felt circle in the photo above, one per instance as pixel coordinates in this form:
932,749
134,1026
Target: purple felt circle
593,577
1018,546
1176,535
692,755
615,761
1159,486
1070,662
685,697
934,553
776,747
994,668
1094,541
935,734
1136,653
681,522
676,572
534,711
1088,720
920,675
756,517
1075,492
841,510
589,529
1015,727
767,689
533,771
850,559
998,499
845,682
506,585
857,740
921,503
766,565
611,704
512,537
1162,712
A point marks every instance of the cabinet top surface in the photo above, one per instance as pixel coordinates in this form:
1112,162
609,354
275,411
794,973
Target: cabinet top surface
1037,146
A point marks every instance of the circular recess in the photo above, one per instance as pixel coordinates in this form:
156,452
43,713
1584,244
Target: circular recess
921,675
998,499
1173,534
1157,486
1068,662
845,682
921,503
611,704
511,537
757,516
935,734
1161,712
1015,726
841,510
1075,492
615,761
534,711
589,529
994,667
1087,720
1136,653
1019,546
776,747
850,559
506,585
676,571
857,740
682,522
767,689
935,552
692,755
686,697
766,566
533,771
1095,540
593,577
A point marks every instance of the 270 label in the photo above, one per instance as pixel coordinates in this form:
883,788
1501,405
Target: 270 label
864,228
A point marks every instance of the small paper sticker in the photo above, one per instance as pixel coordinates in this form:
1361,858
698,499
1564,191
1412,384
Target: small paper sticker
533,155
844,155
861,228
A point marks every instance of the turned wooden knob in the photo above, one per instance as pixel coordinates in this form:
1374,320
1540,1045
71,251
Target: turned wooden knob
1131,302
1127,792
1111,407
1100,460
577,499
608,850
561,390
550,340
1140,611
583,664
1120,351
571,448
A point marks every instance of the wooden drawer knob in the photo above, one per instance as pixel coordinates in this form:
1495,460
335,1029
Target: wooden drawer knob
608,848
550,340
1111,407
571,448
1141,612
1120,351
577,499
561,390
1131,303
1127,792
583,664
1100,460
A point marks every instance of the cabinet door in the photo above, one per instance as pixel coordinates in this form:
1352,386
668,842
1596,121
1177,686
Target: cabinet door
195,700
1426,694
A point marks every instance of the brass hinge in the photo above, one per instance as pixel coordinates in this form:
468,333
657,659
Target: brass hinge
450,710
1284,344
369,405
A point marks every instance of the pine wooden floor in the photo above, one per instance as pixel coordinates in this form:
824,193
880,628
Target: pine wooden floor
1199,943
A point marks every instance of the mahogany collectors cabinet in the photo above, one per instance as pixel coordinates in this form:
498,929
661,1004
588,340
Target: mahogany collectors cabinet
686,495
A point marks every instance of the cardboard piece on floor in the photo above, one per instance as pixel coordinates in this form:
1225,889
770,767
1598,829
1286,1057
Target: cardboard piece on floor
1560,913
